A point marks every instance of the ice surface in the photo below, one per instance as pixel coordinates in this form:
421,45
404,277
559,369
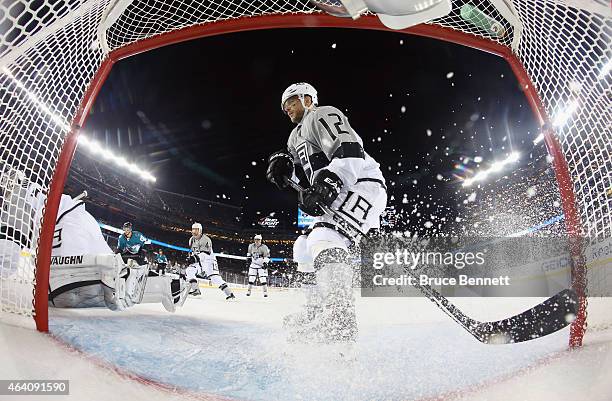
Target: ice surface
407,350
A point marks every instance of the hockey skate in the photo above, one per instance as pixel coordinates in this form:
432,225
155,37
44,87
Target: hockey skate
311,308
230,297
303,317
334,321
195,293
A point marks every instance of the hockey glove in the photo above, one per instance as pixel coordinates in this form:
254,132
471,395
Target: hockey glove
192,259
324,191
280,166
248,262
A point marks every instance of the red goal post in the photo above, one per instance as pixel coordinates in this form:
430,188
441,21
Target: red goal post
569,147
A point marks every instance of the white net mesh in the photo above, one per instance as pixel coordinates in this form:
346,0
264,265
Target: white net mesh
50,50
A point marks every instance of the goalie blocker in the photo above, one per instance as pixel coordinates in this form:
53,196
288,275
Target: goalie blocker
81,281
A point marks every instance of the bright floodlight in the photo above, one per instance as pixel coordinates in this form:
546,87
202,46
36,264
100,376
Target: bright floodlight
514,157
95,148
495,167
564,114
39,104
538,139
605,69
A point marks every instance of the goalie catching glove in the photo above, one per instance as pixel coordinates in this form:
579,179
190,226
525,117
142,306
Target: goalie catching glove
280,167
324,191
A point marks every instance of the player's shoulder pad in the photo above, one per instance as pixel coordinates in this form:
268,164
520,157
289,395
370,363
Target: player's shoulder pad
325,110
292,135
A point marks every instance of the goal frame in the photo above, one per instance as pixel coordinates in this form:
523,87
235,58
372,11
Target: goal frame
303,20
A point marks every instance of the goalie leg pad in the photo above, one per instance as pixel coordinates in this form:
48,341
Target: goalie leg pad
180,290
160,289
190,271
136,283
77,281
82,295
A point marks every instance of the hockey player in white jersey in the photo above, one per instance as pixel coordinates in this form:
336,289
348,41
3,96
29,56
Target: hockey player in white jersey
326,156
258,256
202,260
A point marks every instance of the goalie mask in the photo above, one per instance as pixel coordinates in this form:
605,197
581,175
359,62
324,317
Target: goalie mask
300,90
395,14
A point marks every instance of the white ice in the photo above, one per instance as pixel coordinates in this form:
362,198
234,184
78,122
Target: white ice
214,349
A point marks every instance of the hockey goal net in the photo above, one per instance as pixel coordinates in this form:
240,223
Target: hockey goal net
55,55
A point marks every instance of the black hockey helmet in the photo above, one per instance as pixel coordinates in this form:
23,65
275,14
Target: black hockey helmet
127,224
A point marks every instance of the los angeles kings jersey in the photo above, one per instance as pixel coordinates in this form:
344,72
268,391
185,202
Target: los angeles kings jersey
202,244
258,253
325,139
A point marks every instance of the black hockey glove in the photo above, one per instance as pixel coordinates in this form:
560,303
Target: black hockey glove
248,262
280,166
324,191
191,259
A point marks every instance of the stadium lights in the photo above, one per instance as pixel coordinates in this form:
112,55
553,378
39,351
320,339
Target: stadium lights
95,148
41,106
538,139
92,146
564,114
495,167
605,69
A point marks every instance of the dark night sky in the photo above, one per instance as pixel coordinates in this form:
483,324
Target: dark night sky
209,108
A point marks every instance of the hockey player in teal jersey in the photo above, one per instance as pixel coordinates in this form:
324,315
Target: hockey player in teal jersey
162,262
131,245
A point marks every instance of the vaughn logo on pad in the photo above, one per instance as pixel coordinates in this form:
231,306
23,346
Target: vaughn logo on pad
67,260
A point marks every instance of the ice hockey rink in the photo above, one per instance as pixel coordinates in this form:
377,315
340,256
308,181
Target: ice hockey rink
212,349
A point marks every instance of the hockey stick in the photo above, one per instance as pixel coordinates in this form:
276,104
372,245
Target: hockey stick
80,196
543,319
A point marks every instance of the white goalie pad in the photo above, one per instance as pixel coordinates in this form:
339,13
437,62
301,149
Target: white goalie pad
171,292
79,281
